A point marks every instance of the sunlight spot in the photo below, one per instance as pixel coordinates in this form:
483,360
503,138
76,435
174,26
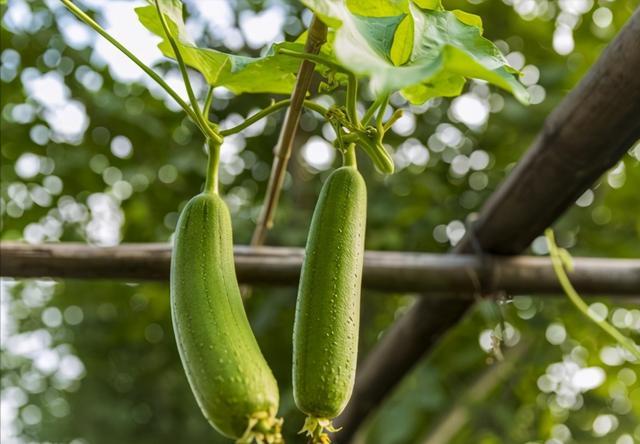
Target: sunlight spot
537,94
31,414
627,376
48,89
167,174
69,121
599,311
611,356
121,147
73,315
449,135
220,16
604,424
479,160
602,17
23,113
52,317
485,340
588,378
516,60
76,34
556,334
440,233
585,199
71,368
122,23
617,176
546,384
530,75
405,125
122,190
264,27
563,42
33,233
561,432
539,246
625,439
318,153
39,134
470,110
460,165
27,166
17,17
455,231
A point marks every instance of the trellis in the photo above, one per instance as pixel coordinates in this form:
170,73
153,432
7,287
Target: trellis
460,276
586,135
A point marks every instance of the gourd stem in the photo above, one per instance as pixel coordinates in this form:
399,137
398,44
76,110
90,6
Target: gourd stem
352,97
204,125
380,115
275,106
349,156
372,109
313,106
559,262
207,104
397,114
211,184
257,116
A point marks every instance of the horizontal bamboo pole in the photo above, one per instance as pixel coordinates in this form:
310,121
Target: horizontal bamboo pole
461,275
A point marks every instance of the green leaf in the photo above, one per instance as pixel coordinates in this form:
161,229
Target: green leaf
430,4
403,42
271,73
379,32
378,8
469,19
441,86
424,53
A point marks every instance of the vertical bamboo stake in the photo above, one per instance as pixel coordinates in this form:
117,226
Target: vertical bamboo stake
282,151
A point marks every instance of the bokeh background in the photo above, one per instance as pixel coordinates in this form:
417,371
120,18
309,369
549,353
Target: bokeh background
93,151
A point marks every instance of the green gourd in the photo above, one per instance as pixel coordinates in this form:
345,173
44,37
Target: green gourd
325,338
228,375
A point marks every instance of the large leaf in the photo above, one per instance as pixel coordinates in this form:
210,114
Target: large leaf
422,50
271,73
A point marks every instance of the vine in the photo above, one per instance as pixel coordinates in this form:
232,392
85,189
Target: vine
562,263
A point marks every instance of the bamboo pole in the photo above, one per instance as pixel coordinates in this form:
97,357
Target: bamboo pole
316,37
460,276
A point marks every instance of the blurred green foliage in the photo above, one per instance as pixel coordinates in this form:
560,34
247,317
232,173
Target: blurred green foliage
95,361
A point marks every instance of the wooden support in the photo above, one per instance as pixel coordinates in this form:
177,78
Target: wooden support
457,276
316,37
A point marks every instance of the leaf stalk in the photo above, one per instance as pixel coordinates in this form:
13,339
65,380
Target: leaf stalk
83,17
200,120
276,106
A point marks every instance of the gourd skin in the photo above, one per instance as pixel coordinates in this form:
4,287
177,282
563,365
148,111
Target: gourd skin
225,368
325,338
